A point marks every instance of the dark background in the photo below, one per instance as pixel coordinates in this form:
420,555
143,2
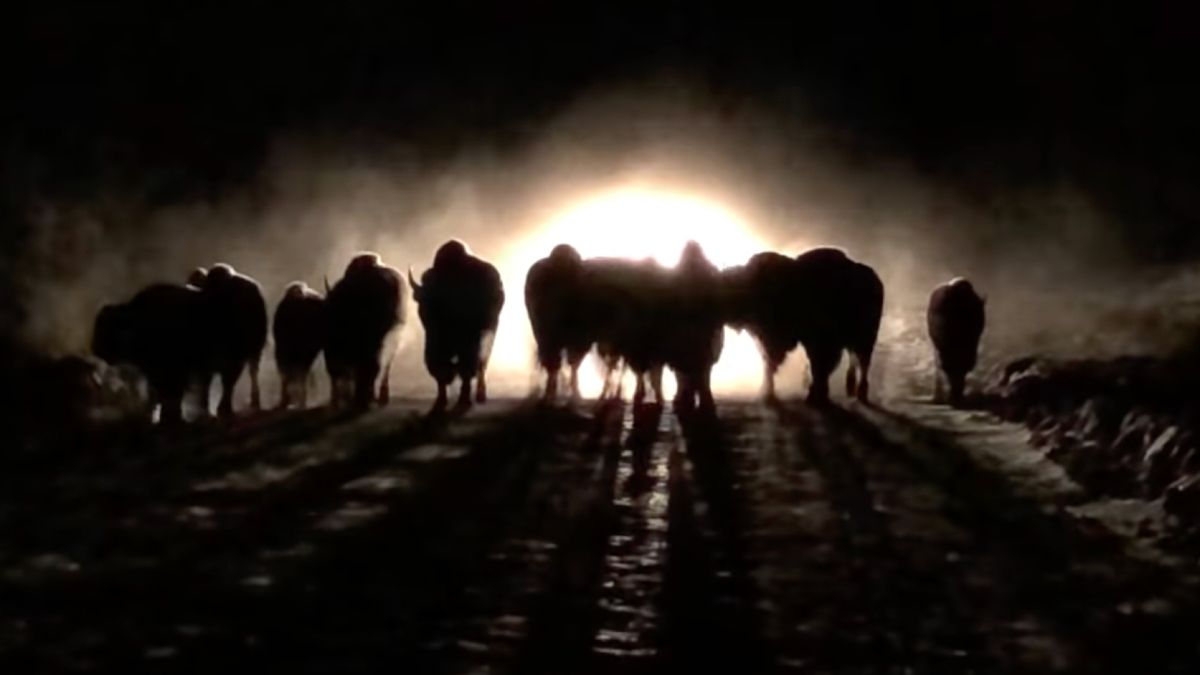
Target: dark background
179,100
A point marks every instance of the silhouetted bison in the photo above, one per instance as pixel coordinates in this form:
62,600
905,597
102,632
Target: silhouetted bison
692,325
759,297
459,301
955,319
163,333
364,312
299,331
235,315
623,303
560,320
842,306
823,300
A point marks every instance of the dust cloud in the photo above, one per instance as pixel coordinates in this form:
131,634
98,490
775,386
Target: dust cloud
1049,262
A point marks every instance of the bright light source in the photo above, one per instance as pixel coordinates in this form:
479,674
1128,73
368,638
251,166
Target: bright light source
631,224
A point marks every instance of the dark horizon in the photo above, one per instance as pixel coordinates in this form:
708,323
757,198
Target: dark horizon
1010,93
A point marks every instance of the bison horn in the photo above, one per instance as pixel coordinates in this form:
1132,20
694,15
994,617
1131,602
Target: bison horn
412,281
326,284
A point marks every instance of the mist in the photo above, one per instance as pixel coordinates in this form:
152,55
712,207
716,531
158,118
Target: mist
1052,264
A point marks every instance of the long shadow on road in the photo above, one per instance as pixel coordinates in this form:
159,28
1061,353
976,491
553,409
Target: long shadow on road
712,618
301,568
894,612
538,540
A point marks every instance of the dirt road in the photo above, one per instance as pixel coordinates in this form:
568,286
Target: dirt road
518,538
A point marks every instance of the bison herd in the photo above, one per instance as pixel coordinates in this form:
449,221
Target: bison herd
638,315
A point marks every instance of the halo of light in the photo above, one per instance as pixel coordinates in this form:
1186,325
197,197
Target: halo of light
632,224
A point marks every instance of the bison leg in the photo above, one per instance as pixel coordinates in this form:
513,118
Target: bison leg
170,401
704,391
485,355
773,357
385,389
575,394
385,392
769,369
170,411
439,362
958,383
464,394
823,360
656,383
343,390
302,388
255,396
864,380
364,384
639,392
685,395
440,402
335,391
575,357
551,385
286,382
468,369
481,384
857,383
229,378
334,397
203,395
612,377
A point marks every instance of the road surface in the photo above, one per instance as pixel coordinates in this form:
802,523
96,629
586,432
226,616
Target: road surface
520,538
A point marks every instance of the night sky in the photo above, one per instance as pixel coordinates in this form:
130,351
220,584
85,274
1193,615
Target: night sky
180,102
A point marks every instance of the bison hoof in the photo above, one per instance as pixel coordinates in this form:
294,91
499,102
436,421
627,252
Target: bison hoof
818,400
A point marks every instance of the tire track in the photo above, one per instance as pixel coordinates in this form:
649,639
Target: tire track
901,613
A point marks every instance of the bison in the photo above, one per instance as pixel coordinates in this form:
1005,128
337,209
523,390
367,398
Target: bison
559,320
162,332
822,300
758,298
459,301
235,314
842,304
364,312
623,303
299,331
955,319
693,327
